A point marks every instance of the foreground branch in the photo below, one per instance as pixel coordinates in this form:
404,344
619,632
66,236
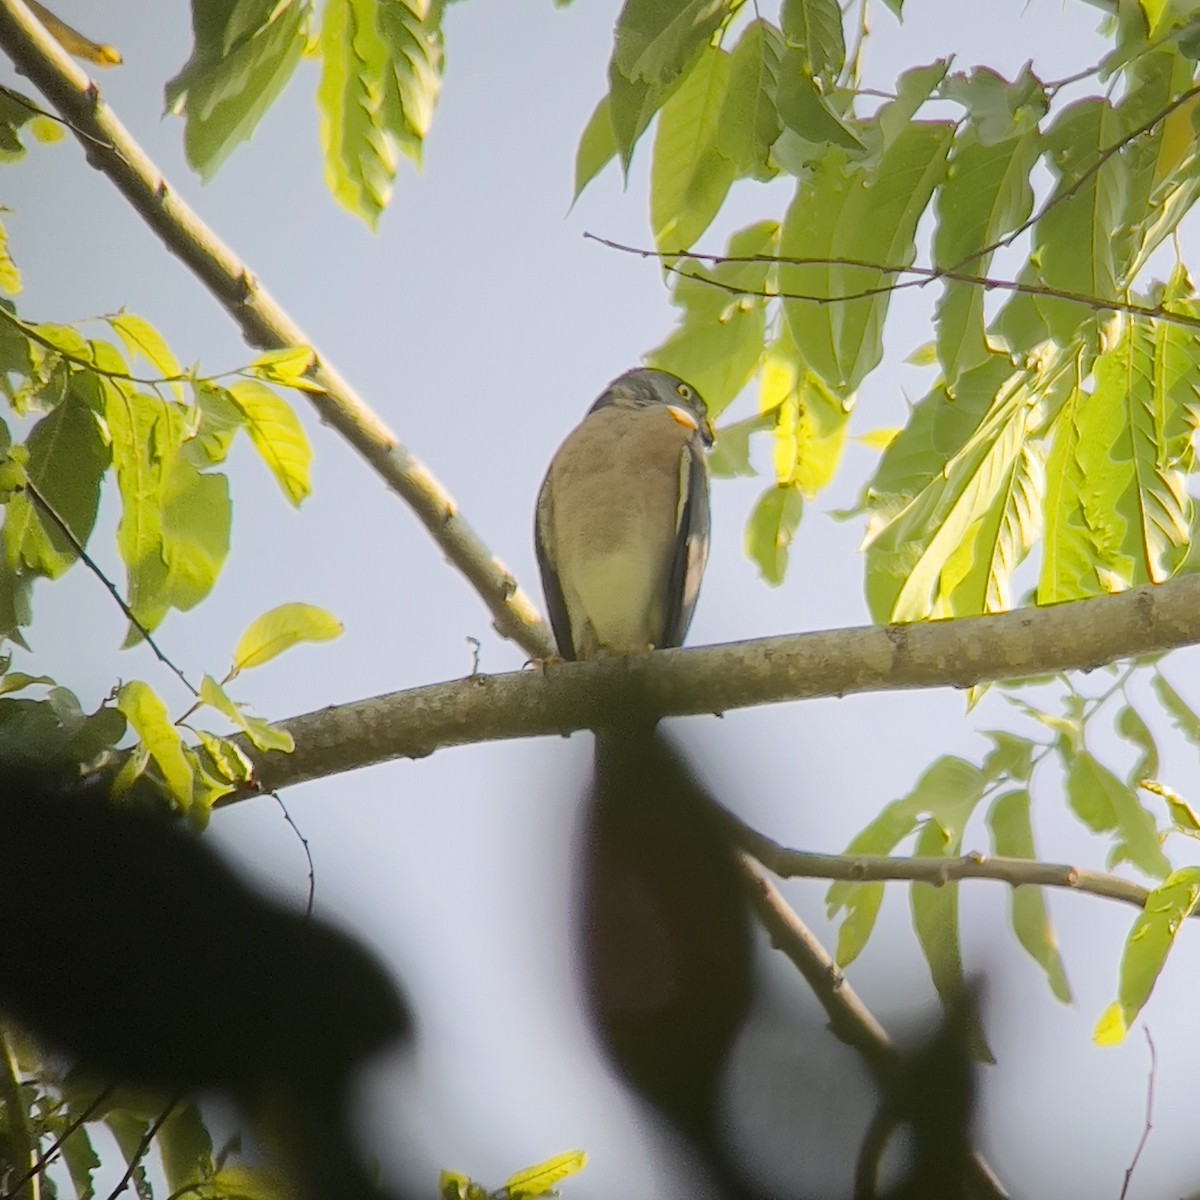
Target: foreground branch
263,322
564,697
849,1017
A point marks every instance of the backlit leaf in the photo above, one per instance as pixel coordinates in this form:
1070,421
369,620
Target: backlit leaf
1146,949
1012,837
280,629
277,435
148,716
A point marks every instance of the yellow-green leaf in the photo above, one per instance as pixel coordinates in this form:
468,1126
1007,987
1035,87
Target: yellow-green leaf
280,629
162,740
1149,942
538,1180
277,435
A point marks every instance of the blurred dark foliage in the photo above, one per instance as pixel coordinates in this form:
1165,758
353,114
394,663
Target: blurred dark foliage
667,947
130,947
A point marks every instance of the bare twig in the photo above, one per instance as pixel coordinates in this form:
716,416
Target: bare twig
922,277
263,322
869,868
105,582
563,697
143,1147
45,1160
1148,1123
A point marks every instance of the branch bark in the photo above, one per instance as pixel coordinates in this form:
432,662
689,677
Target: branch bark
264,323
564,697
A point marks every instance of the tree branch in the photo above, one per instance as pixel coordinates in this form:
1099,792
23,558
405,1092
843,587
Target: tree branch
869,868
264,324
563,697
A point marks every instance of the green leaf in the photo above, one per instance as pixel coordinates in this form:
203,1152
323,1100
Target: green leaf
935,921
148,716
1068,565
655,41
380,77
986,194
140,338
81,1159
539,1180
750,121
10,276
631,107
1131,727
770,529
814,27
185,1147
840,212
810,422
67,460
129,1132
999,110
913,88
952,549
1075,248
244,54
1146,949
1183,717
281,629
261,734
1011,757
277,435
196,515
1012,837
805,110
144,436
1106,805
730,455
597,146
1121,500
861,903
219,419
286,367
225,758
689,176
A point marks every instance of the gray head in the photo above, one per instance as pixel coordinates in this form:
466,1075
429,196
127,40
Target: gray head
644,386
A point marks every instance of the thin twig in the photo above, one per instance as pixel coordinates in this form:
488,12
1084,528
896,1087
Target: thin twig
107,583
874,868
1148,1123
143,1146
51,1154
263,322
1058,198
923,276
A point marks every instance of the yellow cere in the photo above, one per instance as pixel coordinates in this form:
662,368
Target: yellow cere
684,417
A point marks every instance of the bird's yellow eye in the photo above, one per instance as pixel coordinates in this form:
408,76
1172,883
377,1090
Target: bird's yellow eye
683,390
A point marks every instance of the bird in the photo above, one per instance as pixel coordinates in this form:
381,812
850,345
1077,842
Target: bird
622,524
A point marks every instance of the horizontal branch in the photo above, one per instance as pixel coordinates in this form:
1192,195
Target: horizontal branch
564,697
883,868
264,323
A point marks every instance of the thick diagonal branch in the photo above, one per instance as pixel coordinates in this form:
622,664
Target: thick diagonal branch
714,679
264,324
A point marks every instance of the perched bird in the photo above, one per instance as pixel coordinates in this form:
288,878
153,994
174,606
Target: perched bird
622,539
622,519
